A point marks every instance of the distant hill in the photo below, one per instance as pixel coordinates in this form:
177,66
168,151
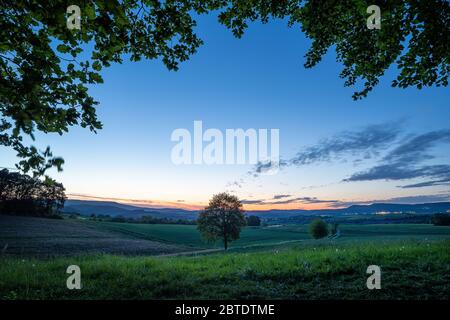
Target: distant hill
424,208
129,211
115,209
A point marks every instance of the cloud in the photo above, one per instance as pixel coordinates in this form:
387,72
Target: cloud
416,199
397,171
267,167
367,142
299,200
247,201
234,184
313,200
404,162
415,149
442,182
281,196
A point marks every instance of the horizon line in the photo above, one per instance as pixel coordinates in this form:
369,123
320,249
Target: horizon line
149,204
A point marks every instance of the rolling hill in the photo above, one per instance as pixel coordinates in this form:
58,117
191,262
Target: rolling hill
114,209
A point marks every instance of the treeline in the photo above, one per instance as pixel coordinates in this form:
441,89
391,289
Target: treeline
251,220
441,219
21,194
143,219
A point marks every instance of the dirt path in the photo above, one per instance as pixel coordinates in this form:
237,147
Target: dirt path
190,253
206,251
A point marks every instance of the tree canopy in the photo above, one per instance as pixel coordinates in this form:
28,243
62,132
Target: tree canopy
21,194
47,68
223,219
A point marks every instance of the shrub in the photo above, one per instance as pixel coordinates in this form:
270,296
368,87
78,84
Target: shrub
253,221
318,228
441,219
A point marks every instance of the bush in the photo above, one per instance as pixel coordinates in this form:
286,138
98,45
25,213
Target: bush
318,229
253,221
441,219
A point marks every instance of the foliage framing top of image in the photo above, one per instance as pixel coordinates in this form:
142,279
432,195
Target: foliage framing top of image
46,68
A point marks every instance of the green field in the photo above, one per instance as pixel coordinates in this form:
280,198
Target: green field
188,235
410,270
280,262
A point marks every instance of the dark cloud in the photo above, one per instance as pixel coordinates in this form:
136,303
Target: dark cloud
415,149
266,167
442,182
397,171
404,161
299,200
417,199
439,197
365,143
247,201
287,201
281,196
313,200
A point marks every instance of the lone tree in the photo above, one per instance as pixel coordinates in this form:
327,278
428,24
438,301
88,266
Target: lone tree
222,219
318,229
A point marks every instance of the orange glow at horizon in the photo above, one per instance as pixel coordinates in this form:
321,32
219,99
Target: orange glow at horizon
199,205
139,203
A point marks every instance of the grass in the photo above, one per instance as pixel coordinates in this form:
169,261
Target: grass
187,235
410,270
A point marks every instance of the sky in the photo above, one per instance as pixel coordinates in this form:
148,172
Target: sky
393,146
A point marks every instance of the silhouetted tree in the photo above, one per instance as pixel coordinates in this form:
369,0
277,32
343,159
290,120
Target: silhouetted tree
23,195
44,82
223,218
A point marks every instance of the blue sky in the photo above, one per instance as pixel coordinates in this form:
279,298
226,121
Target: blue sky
255,82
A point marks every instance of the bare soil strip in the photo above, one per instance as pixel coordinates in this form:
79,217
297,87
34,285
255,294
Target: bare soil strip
40,237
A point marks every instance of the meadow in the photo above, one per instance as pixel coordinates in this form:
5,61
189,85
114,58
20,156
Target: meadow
410,270
187,235
145,261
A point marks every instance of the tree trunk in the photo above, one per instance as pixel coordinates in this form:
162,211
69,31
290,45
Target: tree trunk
225,242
